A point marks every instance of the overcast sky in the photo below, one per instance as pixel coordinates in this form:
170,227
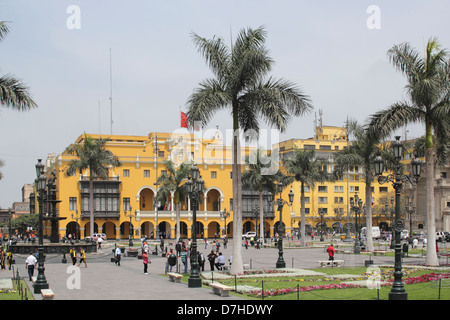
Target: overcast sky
335,51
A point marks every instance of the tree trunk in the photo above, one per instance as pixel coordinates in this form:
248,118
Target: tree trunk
261,216
369,246
237,267
91,207
302,215
431,258
177,231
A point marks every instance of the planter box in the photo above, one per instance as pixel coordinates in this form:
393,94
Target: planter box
132,253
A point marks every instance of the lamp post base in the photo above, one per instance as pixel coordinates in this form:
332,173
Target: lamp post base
194,283
398,295
39,286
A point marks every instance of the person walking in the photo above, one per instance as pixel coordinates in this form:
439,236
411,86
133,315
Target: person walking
73,255
2,258
145,260
118,255
82,257
9,258
211,258
330,251
30,264
184,259
171,260
201,261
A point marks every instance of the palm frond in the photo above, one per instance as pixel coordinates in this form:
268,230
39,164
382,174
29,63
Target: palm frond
206,100
4,30
215,52
383,122
14,94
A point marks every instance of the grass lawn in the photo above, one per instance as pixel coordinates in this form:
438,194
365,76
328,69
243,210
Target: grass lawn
15,293
321,288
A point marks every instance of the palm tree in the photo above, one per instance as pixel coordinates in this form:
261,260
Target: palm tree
172,184
428,102
241,84
360,153
93,156
13,93
254,179
307,169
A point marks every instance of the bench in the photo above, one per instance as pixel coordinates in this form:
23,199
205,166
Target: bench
175,277
379,252
220,289
224,268
331,263
246,266
47,294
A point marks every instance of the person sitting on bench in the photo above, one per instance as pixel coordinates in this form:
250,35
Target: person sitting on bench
220,261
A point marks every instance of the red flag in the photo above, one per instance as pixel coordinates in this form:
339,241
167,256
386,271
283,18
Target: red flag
183,120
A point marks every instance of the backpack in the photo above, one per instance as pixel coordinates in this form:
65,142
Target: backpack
172,260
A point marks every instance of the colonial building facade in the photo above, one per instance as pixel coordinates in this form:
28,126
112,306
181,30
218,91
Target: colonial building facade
125,202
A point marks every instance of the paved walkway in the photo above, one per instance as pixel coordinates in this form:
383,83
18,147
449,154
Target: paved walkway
103,280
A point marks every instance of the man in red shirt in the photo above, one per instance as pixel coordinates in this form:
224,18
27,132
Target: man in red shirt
330,251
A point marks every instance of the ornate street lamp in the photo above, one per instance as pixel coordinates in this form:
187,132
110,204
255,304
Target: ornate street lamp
410,209
321,213
130,228
224,215
398,291
77,236
280,203
195,186
356,205
41,281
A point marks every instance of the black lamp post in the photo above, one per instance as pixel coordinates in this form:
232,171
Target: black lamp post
398,291
194,187
280,203
410,209
224,215
77,236
321,213
41,281
130,228
357,205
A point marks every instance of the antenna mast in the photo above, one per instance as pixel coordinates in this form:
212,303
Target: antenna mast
110,86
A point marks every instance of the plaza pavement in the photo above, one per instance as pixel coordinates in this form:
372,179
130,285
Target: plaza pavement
103,280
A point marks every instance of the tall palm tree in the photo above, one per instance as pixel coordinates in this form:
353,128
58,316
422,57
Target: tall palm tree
13,92
240,84
92,156
254,178
360,153
172,184
428,102
308,169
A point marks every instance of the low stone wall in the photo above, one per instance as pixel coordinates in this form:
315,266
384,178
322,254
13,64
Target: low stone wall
53,248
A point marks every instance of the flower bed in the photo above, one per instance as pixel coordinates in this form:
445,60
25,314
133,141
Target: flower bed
387,275
276,292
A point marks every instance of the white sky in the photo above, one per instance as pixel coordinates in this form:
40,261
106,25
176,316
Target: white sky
325,47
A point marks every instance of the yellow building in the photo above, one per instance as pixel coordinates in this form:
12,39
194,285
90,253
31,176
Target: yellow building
129,193
333,198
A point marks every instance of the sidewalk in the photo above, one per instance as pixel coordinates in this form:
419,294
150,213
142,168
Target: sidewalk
104,280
